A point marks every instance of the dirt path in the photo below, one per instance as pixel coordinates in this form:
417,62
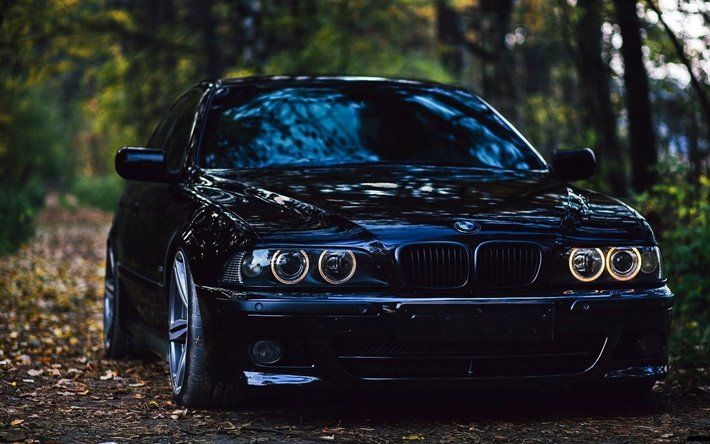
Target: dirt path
54,385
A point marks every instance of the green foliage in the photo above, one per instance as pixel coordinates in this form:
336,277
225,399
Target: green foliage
34,138
18,207
33,141
546,123
356,38
680,213
98,192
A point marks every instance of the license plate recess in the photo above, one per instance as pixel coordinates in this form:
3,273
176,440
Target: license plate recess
476,322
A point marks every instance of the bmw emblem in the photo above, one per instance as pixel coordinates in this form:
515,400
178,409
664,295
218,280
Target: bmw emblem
467,226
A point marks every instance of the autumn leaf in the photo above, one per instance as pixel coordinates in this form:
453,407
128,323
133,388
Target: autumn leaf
109,374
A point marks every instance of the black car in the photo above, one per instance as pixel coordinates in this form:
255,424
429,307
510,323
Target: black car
356,231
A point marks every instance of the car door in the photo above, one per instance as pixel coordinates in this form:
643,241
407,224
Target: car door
135,282
161,212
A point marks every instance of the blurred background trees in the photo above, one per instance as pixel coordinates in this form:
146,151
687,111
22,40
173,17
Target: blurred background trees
79,78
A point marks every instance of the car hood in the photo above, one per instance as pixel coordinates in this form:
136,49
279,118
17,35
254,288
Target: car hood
396,203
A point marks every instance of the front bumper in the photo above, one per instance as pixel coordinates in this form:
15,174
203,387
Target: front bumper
349,340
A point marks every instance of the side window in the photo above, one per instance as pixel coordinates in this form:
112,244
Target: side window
157,140
176,143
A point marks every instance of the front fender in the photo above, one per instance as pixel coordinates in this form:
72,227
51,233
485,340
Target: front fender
209,237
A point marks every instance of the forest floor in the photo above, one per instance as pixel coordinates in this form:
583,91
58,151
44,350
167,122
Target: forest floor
55,385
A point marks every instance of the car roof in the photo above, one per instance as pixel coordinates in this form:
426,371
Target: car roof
322,80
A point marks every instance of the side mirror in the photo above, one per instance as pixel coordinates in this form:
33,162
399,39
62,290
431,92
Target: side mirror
143,164
571,165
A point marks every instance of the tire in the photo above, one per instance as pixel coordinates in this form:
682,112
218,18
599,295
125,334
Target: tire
117,341
190,379
608,391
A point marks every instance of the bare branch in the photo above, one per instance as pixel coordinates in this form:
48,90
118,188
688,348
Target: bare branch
697,86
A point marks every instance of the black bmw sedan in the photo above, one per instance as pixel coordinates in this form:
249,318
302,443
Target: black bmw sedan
358,231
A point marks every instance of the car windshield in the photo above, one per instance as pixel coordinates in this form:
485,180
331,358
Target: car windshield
254,127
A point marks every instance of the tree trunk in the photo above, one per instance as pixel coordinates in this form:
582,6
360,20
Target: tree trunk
499,76
4,7
251,34
595,91
345,31
694,155
642,138
449,37
207,28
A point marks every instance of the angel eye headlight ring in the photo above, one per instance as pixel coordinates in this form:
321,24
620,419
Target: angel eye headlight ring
289,266
623,263
589,259
337,266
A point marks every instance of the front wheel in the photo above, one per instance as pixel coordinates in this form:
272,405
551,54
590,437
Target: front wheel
187,357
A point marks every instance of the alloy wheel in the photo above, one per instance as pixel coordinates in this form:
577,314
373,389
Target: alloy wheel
179,321
110,289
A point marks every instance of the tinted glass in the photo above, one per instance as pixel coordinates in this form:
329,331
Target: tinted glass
322,125
157,140
176,144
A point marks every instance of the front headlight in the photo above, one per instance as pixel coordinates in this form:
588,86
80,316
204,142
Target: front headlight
623,263
651,262
290,266
302,267
586,264
612,264
337,267
253,263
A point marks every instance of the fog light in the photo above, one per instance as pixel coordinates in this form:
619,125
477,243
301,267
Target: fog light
266,351
651,344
